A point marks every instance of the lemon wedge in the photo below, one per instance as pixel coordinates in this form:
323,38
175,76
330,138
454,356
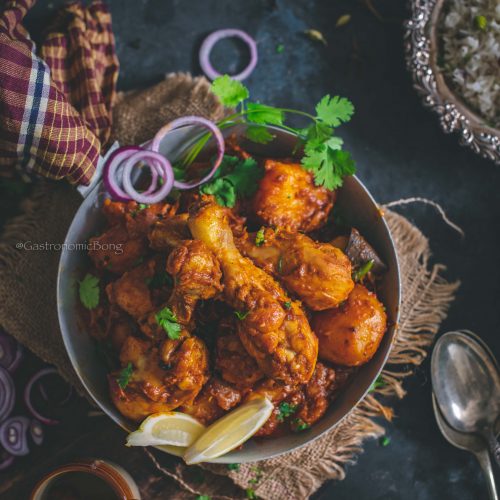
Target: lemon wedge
172,428
230,431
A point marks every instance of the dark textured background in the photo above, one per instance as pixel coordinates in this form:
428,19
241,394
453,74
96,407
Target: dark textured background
400,152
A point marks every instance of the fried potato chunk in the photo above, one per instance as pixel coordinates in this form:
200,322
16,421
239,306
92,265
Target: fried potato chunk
278,337
318,273
287,198
350,334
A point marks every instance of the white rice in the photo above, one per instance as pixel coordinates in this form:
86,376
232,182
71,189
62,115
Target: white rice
471,56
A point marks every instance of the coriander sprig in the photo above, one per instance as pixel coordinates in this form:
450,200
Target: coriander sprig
323,153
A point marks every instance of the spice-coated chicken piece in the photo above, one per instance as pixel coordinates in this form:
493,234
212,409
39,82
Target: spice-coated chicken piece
131,291
287,198
196,275
116,251
319,274
233,361
136,217
273,330
158,381
350,334
169,233
213,401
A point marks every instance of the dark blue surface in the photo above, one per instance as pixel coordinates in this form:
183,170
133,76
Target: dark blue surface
400,152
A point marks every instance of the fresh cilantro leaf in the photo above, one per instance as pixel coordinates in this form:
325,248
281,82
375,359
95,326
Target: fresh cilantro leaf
168,321
334,110
237,178
233,466
203,497
250,492
241,315
230,92
362,271
384,441
259,134
244,177
259,237
264,115
285,411
159,280
287,305
89,291
300,425
379,382
142,206
223,190
125,376
280,48
481,23
329,166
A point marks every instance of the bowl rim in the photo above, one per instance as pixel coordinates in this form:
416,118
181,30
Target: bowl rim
227,458
422,48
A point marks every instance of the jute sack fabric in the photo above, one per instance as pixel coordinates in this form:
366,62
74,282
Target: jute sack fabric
28,306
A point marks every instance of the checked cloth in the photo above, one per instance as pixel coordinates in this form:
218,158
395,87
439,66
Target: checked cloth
55,106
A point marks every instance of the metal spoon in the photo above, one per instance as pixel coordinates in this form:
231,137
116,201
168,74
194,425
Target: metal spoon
466,383
469,442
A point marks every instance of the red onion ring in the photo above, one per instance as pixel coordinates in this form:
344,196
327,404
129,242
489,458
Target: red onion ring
11,352
192,120
27,395
154,158
112,165
36,432
14,435
213,38
7,394
6,460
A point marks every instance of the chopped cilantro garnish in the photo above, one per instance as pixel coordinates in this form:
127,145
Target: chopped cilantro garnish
125,376
159,279
250,492
287,305
359,274
481,23
280,48
285,411
379,382
384,441
300,425
230,92
259,237
168,321
233,178
241,315
142,206
89,291
233,466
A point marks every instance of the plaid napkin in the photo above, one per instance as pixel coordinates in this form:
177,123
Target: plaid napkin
55,108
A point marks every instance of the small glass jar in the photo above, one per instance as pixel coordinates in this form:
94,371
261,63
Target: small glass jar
89,478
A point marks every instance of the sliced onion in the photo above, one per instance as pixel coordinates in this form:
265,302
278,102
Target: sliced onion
213,38
36,431
193,120
28,396
11,352
117,157
7,394
14,435
6,459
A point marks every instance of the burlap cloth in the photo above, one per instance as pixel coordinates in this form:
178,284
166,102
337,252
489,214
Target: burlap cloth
28,305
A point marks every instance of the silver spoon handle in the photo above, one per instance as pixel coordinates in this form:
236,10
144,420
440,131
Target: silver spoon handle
483,458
